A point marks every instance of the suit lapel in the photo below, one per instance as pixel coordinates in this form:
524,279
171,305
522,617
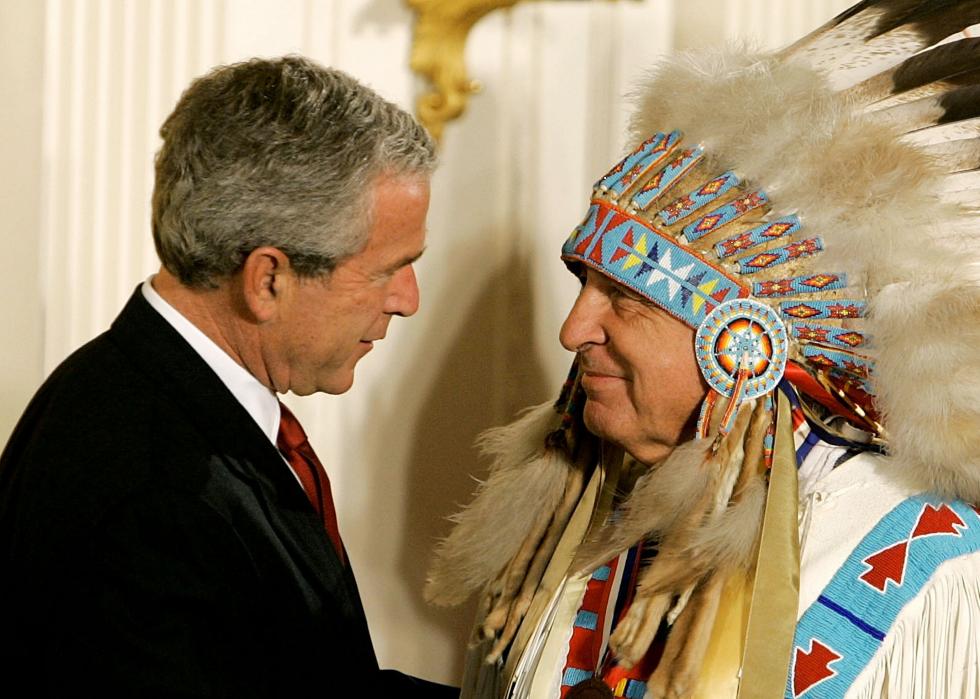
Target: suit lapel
173,365
300,530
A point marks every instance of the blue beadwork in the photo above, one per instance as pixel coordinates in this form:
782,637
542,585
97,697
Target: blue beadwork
574,676
835,359
723,215
627,163
667,178
767,232
778,256
635,689
699,198
828,335
586,620
823,309
650,154
794,286
860,604
631,252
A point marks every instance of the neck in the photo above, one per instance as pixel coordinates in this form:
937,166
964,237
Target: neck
220,314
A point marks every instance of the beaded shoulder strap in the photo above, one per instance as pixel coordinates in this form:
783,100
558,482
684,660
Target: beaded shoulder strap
839,633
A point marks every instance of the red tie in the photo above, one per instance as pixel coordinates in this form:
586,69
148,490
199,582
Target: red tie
294,445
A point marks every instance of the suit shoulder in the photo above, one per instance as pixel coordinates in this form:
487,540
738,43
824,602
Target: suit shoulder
97,427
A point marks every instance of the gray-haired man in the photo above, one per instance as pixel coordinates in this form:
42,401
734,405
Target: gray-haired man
165,527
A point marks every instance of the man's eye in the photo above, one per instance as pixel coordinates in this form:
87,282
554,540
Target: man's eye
385,276
619,292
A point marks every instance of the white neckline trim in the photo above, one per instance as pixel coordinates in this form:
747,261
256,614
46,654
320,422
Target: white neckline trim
259,401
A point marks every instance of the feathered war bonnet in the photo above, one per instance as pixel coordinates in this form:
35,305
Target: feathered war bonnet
841,207
812,214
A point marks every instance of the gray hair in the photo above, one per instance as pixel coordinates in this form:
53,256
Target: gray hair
277,152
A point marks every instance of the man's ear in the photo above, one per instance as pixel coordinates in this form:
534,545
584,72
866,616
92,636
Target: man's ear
266,276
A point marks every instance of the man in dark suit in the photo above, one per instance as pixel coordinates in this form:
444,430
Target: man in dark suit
165,528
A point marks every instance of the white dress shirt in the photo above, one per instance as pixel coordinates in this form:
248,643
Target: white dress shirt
259,402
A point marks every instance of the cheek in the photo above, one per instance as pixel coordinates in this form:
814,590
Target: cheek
370,304
686,367
688,384
668,384
353,315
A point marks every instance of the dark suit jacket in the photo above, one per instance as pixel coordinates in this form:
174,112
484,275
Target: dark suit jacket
154,543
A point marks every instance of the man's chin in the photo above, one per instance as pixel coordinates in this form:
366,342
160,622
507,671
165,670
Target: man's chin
599,420
335,384
338,386
620,426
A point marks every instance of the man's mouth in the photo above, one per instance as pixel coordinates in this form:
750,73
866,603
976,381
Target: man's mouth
601,372
598,379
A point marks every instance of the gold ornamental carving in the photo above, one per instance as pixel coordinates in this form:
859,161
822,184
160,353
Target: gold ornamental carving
438,53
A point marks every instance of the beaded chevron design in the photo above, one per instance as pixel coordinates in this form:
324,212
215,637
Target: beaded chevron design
759,235
698,199
724,215
780,256
828,335
636,254
693,253
794,286
650,153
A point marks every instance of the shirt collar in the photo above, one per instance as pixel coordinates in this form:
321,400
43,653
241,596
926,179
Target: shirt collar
259,401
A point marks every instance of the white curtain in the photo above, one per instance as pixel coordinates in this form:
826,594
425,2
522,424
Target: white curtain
92,80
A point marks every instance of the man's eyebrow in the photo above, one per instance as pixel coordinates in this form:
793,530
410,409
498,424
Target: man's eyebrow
407,260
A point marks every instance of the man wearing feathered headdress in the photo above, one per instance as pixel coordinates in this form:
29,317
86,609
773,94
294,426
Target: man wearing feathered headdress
761,478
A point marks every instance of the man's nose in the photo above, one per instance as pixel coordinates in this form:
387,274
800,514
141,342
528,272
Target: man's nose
404,297
582,325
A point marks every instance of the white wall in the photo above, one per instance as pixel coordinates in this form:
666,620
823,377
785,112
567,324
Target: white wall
21,337
87,84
